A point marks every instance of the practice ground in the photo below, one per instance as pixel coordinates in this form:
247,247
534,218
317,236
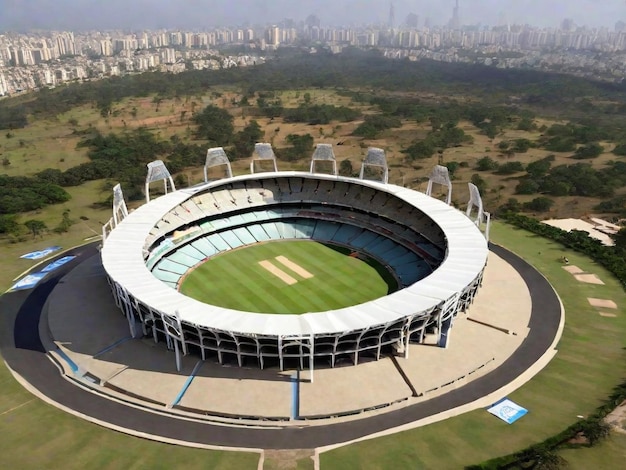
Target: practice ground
287,277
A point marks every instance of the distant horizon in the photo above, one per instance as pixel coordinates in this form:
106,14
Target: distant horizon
93,15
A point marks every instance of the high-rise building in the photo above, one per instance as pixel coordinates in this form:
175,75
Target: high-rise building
567,24
411,21
455,21
4,88
106,48
273,36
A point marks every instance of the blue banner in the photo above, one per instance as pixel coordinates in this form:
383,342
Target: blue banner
29,281
57,264
507,411
41,253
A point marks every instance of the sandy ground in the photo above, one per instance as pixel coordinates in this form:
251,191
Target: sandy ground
299,270
279,273
617,418
588,278
595,231
602,303
573,269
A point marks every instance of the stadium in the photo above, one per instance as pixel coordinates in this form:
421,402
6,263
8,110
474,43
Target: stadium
430,256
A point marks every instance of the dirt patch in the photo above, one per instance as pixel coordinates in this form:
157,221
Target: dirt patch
287,459
601,303
607,315
617,418
573,269
279,273
299,270
588,278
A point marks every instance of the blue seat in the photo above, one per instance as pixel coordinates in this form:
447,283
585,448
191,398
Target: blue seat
325,230
204,246
218,242
166,276
182,258
363,239
231,239
192,252
170,266
258,233
380,249
286,230
346,233
244,235
271,230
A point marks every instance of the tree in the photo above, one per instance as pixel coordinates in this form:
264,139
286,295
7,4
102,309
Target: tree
521,145
539,168
486,164
479,182
35,226
375,124
215,125
619,239
301,145
539,204
527,186
8,223
509,168
592,150
65,223
244,140
620,149
345,168
526,124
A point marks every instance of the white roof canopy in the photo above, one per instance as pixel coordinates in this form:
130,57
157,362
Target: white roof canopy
466,257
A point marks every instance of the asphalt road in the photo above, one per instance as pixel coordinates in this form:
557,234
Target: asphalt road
24,352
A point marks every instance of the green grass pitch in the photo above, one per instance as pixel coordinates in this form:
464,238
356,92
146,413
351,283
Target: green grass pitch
237,281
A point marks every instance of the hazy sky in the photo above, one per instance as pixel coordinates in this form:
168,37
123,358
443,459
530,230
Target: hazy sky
138,14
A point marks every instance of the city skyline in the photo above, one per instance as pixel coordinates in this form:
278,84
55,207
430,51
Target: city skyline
82,15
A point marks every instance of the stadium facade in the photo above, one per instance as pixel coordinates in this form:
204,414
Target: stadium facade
436,253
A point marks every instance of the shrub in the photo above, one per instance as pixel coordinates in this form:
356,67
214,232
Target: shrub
486,164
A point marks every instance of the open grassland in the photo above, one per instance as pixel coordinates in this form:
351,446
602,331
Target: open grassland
36,435
236,280
609,453
52,142
589,363
87,223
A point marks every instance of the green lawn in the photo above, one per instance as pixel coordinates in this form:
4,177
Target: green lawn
590,362
236,280
609,454
36,435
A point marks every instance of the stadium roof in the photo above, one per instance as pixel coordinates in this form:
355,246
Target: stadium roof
465,259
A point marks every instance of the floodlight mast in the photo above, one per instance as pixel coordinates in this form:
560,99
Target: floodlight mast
157,171
440,175
263,152
375,158
216,156
323,153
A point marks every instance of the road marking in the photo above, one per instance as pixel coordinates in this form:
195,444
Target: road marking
16,407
